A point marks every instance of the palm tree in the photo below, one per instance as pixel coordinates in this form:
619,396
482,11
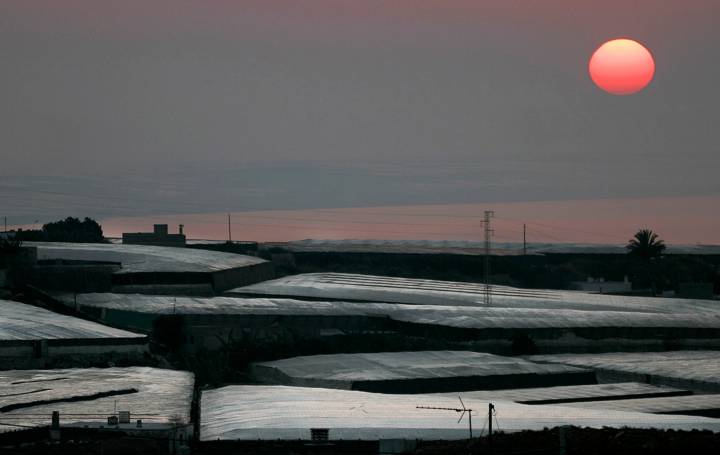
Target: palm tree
645,244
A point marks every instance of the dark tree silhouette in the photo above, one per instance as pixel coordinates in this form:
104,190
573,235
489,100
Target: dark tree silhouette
645,244
73,230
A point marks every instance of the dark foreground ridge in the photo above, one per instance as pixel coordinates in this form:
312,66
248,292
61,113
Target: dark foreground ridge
561,440
585,441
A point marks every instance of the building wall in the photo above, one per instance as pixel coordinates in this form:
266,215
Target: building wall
10,351
187,290
83,278
68,278
207,331
92,350
601,286
149,238
225,280
21,354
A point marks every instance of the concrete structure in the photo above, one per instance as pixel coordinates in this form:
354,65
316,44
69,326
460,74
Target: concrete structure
415,372
160,399
34,337
250,412
148,269
159,237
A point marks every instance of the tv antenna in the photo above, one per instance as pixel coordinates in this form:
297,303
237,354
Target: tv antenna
462,412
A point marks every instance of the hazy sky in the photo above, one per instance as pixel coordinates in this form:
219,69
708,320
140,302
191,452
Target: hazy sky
157,107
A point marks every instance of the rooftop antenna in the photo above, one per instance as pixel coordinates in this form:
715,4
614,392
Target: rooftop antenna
462,410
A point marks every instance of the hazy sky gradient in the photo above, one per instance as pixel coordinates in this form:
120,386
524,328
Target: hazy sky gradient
604,221
157,107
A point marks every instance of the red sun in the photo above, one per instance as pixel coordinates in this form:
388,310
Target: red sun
622,67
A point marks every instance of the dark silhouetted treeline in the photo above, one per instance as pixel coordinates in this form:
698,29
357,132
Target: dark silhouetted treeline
68,230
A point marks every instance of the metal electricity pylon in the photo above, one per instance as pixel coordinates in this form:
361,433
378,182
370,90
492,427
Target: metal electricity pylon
488,243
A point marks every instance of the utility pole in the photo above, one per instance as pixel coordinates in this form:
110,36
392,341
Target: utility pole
5,224
488,234
229,230
491,411
524,240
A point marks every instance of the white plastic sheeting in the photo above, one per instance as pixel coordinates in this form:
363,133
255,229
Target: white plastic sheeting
690,404
383,366
280,412
693,366
145,258
518,312
431,292
622,391
162,395
510,307
19,321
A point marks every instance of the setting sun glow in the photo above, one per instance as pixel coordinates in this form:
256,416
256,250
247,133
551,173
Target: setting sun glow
622,67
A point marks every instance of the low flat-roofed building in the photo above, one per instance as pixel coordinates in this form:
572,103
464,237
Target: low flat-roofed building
34,337
159,237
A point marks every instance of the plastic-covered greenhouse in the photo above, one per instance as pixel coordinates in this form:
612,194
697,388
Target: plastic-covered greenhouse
279,412
91,395
417,371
